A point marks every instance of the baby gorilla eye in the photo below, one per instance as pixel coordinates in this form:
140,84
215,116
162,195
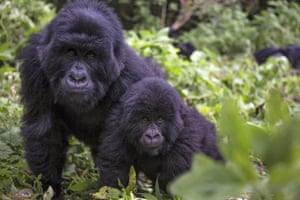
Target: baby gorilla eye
71,52
160,119
90,54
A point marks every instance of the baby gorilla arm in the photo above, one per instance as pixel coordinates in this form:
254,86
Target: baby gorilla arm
176,162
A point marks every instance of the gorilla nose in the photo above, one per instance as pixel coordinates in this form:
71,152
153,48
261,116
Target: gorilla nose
77,79
153,138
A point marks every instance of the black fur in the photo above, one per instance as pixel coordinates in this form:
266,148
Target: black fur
186,49
72,72
292,53
184,132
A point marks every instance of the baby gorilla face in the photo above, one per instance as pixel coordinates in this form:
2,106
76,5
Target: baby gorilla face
152,139
151,116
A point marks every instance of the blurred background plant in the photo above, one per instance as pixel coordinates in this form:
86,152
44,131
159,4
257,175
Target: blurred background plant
256,108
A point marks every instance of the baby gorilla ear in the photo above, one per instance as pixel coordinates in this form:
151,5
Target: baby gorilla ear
178,121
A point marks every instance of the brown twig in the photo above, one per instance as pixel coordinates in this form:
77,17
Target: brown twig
187,11
164,13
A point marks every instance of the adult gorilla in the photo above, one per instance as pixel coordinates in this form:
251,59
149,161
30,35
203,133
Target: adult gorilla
72,72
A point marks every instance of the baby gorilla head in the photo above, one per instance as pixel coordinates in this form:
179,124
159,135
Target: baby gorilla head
151,120
80,54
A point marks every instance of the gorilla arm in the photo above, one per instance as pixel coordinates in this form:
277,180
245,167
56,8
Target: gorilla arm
45,149
113,159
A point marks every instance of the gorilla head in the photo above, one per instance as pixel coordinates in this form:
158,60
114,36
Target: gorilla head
152,122
80,54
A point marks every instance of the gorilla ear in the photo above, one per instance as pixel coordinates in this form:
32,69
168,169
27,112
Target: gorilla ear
40,52
179,122
45,38
118,54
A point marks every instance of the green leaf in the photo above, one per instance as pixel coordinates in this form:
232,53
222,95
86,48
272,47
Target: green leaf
237,146
157,190
5,150
209,180
107,193
277,110
148,196
81,185
283,144
132,180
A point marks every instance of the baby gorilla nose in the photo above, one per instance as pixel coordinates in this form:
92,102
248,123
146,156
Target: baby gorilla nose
152,142
77,78
153,138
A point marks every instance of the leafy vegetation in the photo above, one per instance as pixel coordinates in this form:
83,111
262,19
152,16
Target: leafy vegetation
18,19
228,30
256,109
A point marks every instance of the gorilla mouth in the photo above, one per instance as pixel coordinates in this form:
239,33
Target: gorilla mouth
81,88
81,96
152,149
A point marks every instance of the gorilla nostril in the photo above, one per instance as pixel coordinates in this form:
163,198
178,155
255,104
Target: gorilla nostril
152,138
72,78
148,137
82,79
77,79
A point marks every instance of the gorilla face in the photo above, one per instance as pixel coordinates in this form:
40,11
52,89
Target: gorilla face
150,131
151,116
80,58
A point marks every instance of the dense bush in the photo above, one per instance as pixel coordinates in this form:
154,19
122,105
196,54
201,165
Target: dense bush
277,26
228,30
18,19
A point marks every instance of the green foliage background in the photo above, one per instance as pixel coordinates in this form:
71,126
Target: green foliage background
256,108
228,30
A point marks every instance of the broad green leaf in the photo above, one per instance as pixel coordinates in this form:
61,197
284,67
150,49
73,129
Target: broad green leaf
81,185
209,180
237,145
277,110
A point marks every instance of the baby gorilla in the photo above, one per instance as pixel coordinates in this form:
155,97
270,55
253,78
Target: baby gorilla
153,130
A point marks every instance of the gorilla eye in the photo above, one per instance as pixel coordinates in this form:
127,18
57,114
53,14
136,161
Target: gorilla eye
90,54
71,52
146,119
160,119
